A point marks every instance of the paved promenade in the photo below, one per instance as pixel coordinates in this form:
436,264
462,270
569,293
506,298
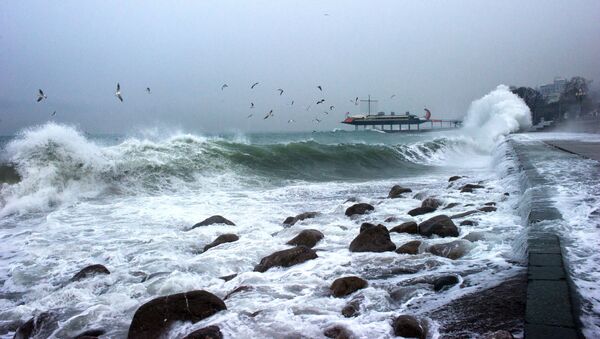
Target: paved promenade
589,150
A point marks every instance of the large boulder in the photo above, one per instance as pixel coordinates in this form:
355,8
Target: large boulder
365,226
360,208
452,250
352,309
468,188
375,239
338,332
286,258
409,327
420,210
454,178
440,225
215,219
223,238
154,318
397,191
411,247
407,227
290,221
347,285
90,271
210,332
308,238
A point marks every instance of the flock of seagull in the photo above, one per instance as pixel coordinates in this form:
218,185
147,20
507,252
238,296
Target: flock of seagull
42,96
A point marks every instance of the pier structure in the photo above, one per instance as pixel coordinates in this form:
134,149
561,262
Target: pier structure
405,122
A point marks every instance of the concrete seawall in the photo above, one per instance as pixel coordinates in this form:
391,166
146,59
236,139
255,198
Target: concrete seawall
552,304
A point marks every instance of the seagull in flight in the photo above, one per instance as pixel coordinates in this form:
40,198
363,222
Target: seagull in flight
270,114
292,104
148,90
325,112
280,91
249,116
224,86
393,95
41,95
118,92
251,105
320,88
317,120
356,101
320,101
331,107
291,120
253,85
308,108
53,114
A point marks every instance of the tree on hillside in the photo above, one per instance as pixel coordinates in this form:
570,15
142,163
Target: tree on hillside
575,90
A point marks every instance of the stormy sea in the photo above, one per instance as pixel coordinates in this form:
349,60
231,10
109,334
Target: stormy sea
134,204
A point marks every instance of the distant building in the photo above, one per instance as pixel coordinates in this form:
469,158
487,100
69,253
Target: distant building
552,92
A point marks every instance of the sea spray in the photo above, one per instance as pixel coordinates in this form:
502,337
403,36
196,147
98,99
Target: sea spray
495,115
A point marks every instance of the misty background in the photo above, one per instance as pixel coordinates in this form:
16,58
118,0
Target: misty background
439,55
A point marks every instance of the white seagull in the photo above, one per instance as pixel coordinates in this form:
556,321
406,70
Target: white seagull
118,92
291,120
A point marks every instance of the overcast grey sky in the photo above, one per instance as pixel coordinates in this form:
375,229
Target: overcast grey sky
440,55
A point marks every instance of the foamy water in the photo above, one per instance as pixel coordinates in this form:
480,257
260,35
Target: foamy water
128,205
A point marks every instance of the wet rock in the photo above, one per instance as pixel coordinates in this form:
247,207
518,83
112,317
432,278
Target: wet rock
338,332
89,334
488,209
409,327
506,194
365,226
466,190
402,294
290,221
471,186
210,332
308,238
215,219
154,318
452,250
475,236
420,196
360,208
440,225
499,335
222,239
431,203
407,227
491,203
391,219
467,223
454,178
444,282
238,289
375,239
420,211
90,271
464,214
411,247
397,191
286,258
347,285
228,277
40,326
352,309
451,205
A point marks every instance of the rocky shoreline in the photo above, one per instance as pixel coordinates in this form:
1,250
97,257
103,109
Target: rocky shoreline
471,314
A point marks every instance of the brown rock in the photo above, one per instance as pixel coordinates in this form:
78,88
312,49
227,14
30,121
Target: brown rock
445,281
471,186
375,239
411,247
360,208
464,214
90,271
222,239
40,326
454,178
238,289
286,258
491,203
228,277
306,215
154,318
391,219
347,285
397,190
488,209
365,226
407,227
450,205
440,225
420,211
452,250
210,332
308,238
338,332
215,219
409,327
431,203
467,223
351,309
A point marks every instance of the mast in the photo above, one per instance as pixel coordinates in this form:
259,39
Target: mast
369,101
